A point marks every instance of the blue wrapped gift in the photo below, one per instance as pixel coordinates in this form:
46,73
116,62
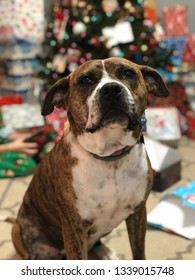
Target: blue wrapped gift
177,44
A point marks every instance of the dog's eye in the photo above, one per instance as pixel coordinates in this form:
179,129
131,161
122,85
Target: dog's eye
85,80
129,73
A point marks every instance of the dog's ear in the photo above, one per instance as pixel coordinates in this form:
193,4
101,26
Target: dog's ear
55,96
154,81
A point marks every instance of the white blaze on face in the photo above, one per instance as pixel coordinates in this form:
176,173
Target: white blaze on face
94,115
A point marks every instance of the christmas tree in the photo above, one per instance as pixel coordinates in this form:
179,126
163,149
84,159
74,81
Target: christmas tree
82,30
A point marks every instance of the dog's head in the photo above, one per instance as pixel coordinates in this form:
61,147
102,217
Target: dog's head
102,94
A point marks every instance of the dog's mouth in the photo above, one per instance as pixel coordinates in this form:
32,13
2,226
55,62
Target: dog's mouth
116,116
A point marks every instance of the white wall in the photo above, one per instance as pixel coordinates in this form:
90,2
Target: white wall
191,10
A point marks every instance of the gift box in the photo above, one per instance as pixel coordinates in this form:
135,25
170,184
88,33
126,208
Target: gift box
17,83
10,99
191,124
166,164
163,124
175,20
29,24
189,53
177,98
19,50
177,45
21,116
188,80
22,67
6,22
175,213
22,20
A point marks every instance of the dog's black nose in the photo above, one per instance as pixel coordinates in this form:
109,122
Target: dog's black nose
111,88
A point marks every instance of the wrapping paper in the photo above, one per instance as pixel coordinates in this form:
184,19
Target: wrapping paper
22,19
57,119
177,97
189,54
175,20
6,21
181,204
178,45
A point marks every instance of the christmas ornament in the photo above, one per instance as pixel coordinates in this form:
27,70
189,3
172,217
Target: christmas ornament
60,23
79,28
110,6
115,51
72,66
59,63
73,55
150,10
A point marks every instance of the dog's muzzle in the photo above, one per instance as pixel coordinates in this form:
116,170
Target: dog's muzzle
115,105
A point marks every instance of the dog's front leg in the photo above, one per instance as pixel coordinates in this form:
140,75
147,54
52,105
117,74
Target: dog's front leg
136,226
75,242
74,234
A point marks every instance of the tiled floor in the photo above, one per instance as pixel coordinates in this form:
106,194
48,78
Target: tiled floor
159,245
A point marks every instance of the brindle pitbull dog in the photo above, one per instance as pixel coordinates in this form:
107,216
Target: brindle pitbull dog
98,174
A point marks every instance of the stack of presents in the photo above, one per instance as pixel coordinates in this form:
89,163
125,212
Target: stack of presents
168,119
22,32
21,35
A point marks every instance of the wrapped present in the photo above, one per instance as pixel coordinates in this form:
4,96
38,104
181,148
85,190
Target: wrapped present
177,97
28,115
6,21
189,54
19,50
29,20
168,76
10,99
22,67
189,83
163,124
57,119
177,45
17,83
175,212
191,124
22,20
166,164
175,20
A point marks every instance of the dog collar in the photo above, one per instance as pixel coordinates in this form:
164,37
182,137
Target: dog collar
126,150
116,155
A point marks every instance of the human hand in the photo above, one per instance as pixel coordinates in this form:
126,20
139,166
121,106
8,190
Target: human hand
19,145
16,135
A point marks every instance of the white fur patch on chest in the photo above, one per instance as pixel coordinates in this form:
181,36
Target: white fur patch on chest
107,192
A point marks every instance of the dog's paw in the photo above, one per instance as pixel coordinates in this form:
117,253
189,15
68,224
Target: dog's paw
104,253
